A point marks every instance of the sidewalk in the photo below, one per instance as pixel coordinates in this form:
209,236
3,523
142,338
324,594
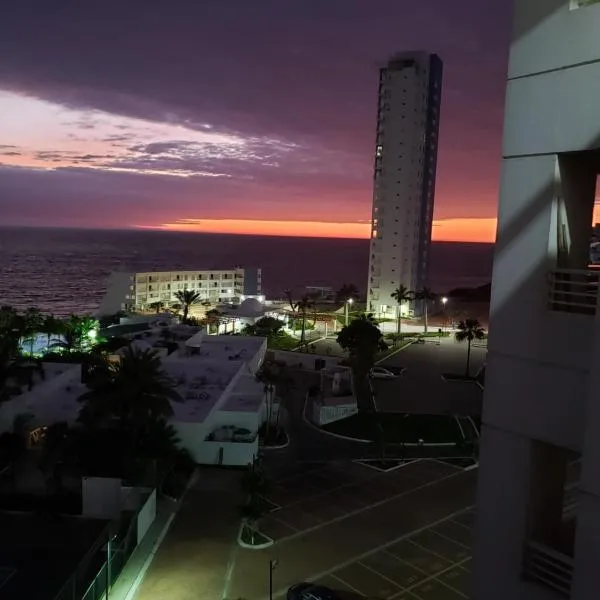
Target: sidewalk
130,577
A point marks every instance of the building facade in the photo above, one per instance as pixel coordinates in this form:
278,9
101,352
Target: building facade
541,413
140,291
408,115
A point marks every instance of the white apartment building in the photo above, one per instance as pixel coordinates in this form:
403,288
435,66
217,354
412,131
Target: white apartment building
140,291
541,404
410,89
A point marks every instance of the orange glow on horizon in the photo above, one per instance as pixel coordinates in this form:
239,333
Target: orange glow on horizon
444,230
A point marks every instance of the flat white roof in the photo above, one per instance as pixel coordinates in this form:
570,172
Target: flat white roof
246,396
52,400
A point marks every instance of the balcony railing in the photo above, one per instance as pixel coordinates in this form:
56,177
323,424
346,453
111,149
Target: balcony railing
574,291
549,568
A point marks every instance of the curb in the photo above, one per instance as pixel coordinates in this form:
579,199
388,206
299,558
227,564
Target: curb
247,546
279,446
394,352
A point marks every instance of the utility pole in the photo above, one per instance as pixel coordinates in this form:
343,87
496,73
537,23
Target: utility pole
273,563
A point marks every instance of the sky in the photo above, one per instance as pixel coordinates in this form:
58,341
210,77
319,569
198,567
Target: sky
240,116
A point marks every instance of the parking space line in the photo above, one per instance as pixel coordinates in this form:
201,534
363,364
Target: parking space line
345,583
282,591
444,558
433,578
296,530
451,540
461,524
396,584
379,503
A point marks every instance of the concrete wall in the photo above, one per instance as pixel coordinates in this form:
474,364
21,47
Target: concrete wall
323,414
146,516
305,360
541,365
101,497
233,453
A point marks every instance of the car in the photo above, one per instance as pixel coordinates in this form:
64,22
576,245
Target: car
381,373
310,591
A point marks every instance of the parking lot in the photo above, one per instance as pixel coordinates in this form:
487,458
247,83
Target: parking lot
309,500
433,564
421,389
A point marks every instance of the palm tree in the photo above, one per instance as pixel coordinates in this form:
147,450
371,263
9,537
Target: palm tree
187,298
363,340
158,306
469,330
304,305
33,324
51,327
401,295
425,295
133,393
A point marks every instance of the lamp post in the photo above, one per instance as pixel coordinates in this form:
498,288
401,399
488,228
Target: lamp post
273,563
444,300
348,303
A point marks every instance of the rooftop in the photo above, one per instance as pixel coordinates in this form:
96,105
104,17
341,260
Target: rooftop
246,396
39,554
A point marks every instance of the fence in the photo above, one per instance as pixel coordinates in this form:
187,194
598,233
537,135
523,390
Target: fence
104,562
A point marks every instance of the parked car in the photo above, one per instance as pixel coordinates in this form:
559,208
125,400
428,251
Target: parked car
381,373
310,591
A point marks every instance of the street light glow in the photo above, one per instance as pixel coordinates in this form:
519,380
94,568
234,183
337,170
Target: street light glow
350,300
444,300
93,334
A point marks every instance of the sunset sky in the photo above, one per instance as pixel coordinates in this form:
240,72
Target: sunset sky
242,116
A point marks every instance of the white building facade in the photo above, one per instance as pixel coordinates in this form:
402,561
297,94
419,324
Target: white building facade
140,291
541,415
410,88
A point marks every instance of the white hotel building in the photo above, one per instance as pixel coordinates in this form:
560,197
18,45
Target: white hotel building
542,400
410,89
131,291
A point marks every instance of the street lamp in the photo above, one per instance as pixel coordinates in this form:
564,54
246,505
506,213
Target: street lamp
273,564
444,300
348,303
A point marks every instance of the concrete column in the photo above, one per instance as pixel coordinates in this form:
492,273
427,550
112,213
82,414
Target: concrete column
502,500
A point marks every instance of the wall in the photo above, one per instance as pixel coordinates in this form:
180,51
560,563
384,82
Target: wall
327,414
234,453
146,516
102,497
305,359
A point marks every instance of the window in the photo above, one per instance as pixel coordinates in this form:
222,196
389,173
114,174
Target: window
379,151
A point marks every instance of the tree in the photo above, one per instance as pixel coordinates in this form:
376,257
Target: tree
265,327
187,298
51,327
425,295
255,485
469,330
304,305
33,321
401,295
158,306
363,340
346,292
133,393
273,375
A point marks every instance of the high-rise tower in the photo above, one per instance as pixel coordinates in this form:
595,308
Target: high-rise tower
408,115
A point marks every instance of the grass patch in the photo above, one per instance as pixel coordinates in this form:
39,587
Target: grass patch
400,428
282,341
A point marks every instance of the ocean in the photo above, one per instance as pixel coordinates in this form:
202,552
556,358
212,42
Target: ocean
64,271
